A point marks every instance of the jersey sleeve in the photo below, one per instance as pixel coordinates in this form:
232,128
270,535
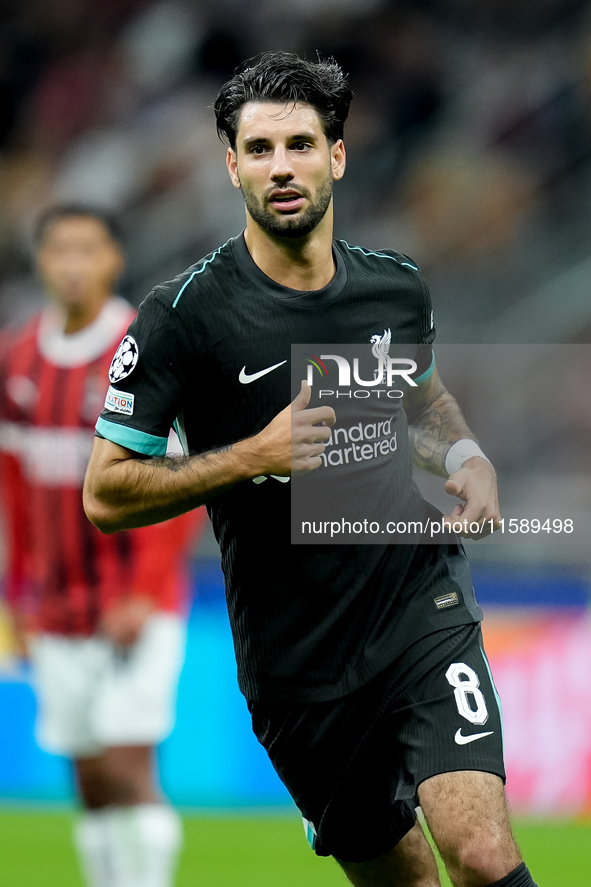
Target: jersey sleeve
425,357
148,378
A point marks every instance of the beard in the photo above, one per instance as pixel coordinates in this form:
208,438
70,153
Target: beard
292,226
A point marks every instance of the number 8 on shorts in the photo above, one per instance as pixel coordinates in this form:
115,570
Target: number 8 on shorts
469,699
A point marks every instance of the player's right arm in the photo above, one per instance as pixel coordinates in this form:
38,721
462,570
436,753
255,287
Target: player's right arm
124,489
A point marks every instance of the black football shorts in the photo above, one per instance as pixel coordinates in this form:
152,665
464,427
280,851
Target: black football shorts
353,765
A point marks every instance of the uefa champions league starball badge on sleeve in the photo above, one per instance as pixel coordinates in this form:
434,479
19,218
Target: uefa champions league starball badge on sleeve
124,361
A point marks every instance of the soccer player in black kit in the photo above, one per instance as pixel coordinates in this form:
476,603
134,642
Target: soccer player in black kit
369,697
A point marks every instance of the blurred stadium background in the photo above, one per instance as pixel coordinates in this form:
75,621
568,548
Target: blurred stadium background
469,149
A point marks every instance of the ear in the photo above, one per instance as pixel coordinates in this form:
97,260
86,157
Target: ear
338,159
232,165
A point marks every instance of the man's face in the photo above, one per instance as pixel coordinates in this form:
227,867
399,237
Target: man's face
284,166
78,261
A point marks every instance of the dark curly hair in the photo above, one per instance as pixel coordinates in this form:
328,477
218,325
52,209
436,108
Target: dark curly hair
285,77
66,210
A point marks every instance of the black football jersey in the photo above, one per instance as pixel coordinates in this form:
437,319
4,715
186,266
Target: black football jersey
210,353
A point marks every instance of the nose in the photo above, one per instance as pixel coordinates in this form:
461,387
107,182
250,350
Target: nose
281,166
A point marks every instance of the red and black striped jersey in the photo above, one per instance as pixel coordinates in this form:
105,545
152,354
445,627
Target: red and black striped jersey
61,569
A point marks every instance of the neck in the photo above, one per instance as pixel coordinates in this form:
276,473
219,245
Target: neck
78,317
303,263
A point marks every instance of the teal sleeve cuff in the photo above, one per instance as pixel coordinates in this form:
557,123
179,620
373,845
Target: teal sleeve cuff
428,372
131,438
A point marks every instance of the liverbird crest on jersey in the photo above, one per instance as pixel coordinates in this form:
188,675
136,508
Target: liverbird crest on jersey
380,348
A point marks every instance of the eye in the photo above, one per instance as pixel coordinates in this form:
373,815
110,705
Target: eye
257,149
301,146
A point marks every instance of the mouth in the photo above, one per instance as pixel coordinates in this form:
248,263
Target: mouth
286,201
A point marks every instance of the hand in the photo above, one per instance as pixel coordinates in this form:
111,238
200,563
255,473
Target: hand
21,633
476,484
293,441
123,623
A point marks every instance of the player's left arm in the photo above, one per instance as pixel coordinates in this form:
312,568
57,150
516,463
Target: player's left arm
436,424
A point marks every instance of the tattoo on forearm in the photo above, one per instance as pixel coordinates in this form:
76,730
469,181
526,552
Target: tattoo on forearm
433,432
171,463
225,449
426,439
179,463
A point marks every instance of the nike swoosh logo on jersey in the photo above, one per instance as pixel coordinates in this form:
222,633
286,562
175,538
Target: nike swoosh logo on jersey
246,378
464,740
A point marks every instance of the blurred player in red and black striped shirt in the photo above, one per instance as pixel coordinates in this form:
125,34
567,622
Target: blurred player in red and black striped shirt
101,616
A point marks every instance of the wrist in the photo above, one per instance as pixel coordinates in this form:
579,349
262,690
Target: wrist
460,452
249,457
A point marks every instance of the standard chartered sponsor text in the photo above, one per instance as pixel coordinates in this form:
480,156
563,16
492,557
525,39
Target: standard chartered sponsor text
359,443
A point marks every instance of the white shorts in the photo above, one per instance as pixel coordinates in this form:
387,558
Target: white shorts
92,694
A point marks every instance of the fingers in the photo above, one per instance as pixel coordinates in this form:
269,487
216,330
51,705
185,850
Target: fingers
324,415
296,438
306,433
310,432
302,398
124,622
479,516
306,454
461,525
303,427
473,520
452,487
